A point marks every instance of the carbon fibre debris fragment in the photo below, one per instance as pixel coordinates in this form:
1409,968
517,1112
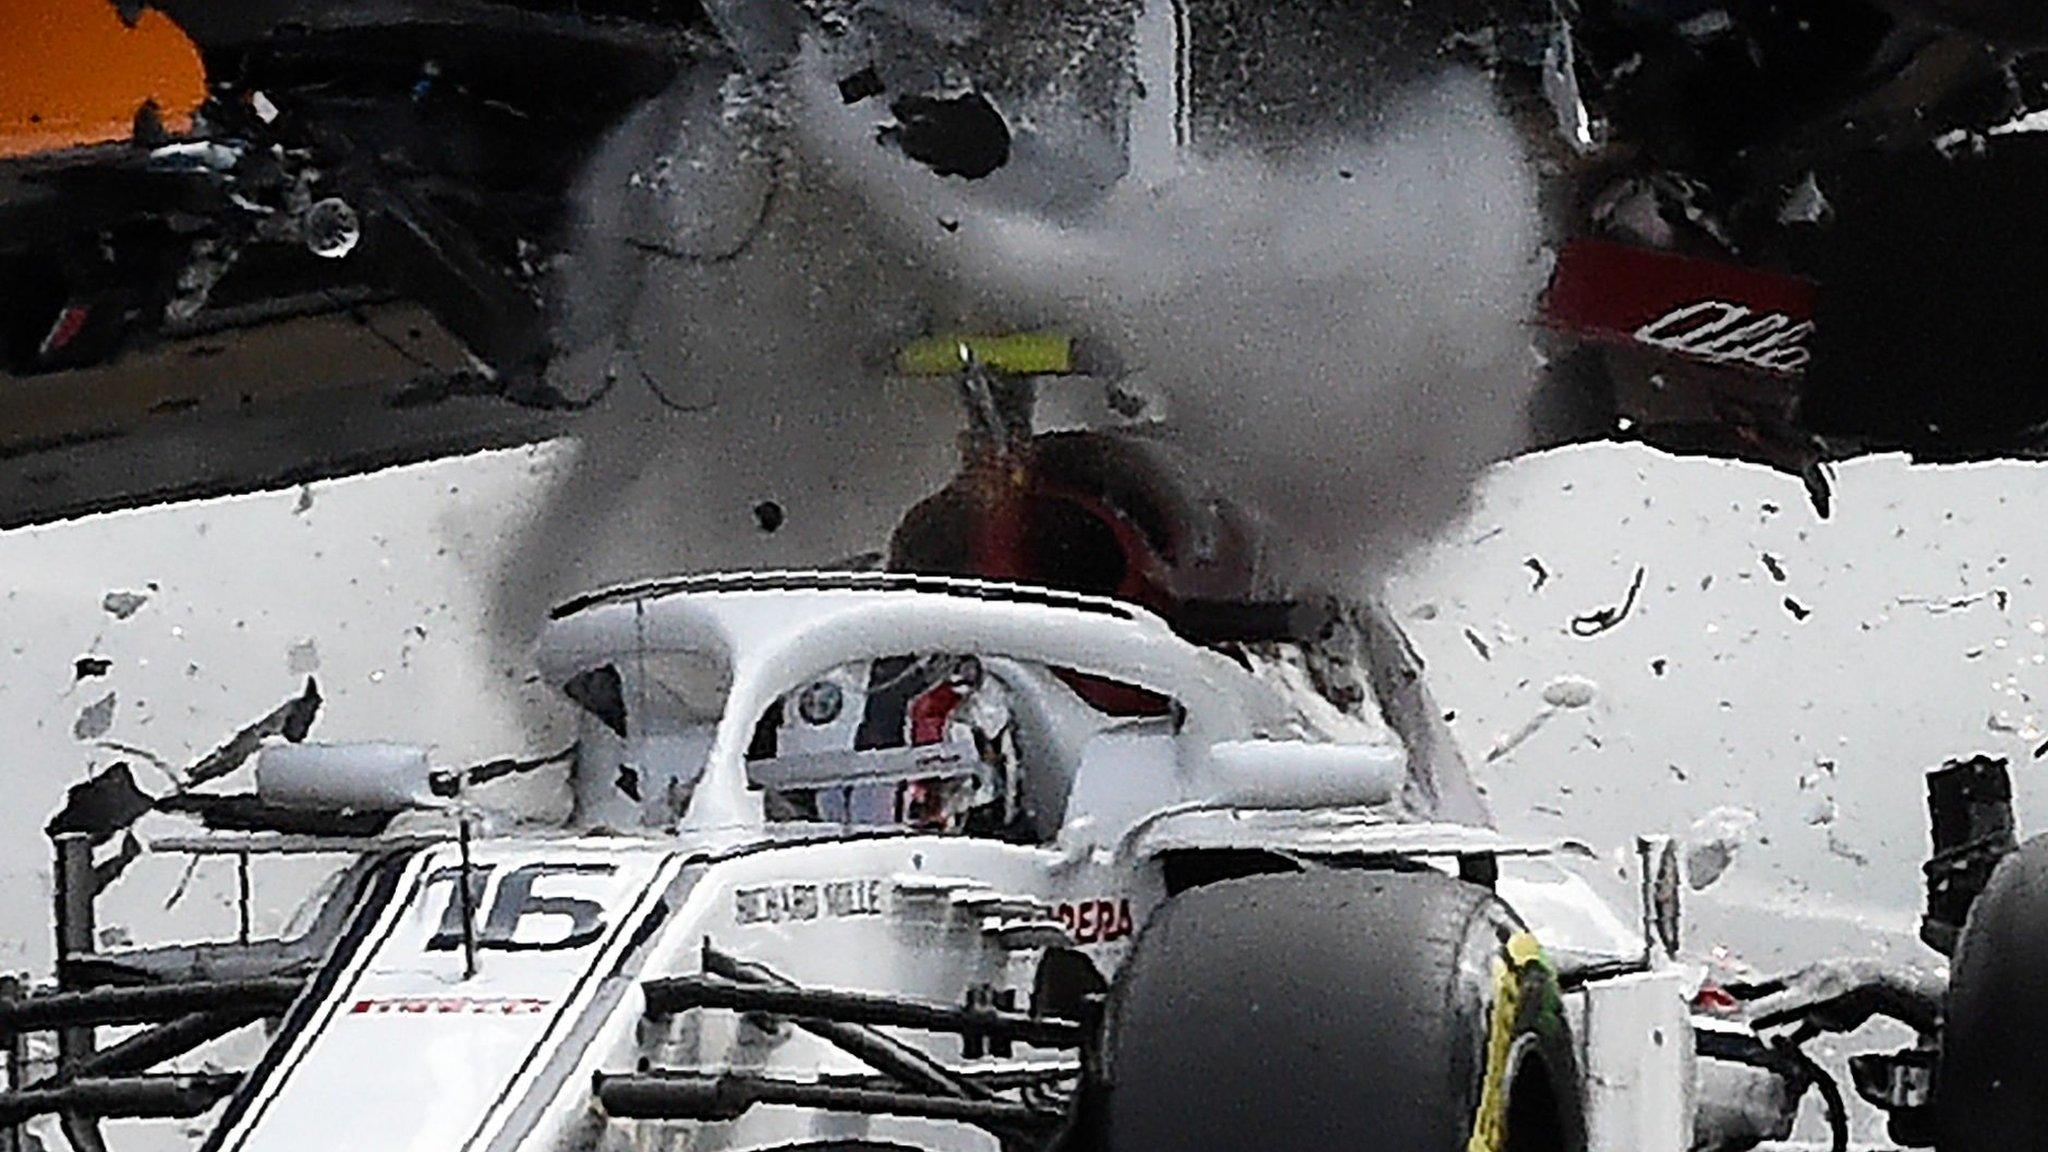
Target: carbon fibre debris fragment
1605,619
122,605
94,719
290,720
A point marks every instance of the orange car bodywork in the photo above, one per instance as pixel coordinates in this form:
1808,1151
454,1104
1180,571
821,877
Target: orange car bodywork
73,73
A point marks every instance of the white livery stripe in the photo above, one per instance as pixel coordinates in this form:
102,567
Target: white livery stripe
534,1087
325,1013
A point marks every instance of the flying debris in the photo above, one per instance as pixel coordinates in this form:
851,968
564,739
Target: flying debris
122,605
1820,806
1478,644
1805,203
1713,841
290,720
1571,692
303,657
1509,742
1604,619
1842,849
94,719
1938,606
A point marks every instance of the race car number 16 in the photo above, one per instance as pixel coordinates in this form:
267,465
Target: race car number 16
581,921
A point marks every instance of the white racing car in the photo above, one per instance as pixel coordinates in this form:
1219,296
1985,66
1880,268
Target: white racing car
862,861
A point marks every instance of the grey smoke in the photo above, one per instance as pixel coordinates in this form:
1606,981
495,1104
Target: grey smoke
1339,333
727,315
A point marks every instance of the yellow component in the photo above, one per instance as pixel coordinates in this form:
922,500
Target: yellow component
1490,1122
1010,353
72,74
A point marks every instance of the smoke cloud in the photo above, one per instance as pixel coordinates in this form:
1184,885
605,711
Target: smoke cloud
1337,333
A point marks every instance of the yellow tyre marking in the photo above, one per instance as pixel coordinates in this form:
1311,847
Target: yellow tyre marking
1490,1123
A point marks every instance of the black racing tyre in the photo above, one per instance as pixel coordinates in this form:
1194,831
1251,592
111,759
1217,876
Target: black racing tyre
1336,1012
1992,1083
843,1146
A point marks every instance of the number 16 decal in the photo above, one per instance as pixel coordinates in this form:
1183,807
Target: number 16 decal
514,902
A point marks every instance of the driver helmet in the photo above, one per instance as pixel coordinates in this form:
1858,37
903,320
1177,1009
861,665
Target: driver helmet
905,702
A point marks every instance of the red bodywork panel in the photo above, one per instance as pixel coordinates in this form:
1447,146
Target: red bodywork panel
1702,310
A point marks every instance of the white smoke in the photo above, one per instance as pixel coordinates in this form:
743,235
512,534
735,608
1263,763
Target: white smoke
1339,333
741,320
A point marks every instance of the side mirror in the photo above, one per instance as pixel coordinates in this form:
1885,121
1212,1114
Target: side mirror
365,777
1296,774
